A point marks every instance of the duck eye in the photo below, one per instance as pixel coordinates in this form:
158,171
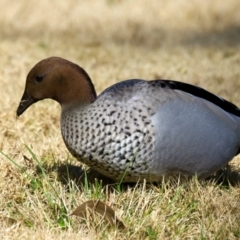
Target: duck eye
39,78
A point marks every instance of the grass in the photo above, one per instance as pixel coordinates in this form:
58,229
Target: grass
196,42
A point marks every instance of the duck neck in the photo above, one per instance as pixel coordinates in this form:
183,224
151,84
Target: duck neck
74,106
78,90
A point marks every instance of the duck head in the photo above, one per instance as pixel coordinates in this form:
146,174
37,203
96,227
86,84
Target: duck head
57,79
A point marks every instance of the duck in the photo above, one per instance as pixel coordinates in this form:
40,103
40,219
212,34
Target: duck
137,129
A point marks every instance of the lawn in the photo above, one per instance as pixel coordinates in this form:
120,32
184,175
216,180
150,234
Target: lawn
192,41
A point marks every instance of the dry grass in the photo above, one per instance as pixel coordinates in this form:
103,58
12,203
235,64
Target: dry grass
194,41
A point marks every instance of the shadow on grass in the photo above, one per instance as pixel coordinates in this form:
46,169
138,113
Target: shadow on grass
229,36
226,177
79,175
154,37
147,36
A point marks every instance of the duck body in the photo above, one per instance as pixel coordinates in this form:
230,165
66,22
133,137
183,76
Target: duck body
139,129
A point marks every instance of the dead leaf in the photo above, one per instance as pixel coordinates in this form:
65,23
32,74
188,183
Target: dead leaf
101,208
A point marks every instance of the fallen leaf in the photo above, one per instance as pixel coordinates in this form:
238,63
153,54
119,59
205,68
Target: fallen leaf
101,208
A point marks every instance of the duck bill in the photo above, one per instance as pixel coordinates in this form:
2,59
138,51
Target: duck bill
26,102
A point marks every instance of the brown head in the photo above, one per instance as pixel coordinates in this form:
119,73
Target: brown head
60,80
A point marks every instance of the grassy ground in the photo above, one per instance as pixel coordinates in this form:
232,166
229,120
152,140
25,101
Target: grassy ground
194,41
